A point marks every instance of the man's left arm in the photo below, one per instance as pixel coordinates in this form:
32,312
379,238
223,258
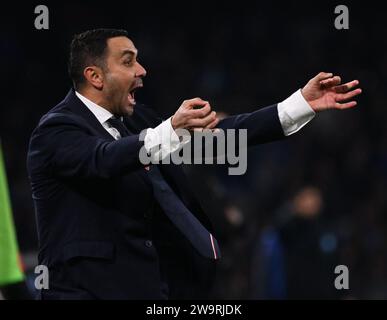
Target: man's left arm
275,122
322,92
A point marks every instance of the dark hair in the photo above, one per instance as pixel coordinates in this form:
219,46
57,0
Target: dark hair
89,48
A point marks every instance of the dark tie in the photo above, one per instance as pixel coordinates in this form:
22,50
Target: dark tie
201,239
116,122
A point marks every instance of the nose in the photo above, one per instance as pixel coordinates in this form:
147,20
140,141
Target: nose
140,72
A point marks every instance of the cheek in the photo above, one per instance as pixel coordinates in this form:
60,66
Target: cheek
129,73
129,77
110,81
120,80
114,83
123,81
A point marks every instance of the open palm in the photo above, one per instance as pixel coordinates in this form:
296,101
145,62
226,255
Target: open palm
325,91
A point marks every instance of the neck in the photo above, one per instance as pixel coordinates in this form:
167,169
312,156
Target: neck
96,97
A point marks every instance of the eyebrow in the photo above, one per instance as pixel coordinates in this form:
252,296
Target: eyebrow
129,52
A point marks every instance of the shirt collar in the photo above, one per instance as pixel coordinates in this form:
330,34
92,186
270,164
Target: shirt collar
99,112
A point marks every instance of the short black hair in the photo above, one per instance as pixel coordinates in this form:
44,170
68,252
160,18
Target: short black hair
89,48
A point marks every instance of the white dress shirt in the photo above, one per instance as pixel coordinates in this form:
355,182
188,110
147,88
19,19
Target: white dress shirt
293,113
163,135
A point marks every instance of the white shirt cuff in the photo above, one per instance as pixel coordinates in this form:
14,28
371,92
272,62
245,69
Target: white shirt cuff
294,113
161,141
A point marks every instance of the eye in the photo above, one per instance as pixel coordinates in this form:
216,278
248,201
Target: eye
128,62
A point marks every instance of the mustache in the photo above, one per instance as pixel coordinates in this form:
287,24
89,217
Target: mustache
137,83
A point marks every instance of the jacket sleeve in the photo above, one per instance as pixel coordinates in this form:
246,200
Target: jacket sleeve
262,125
65,147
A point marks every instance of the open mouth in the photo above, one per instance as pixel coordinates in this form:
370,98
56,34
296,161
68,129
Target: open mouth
131,93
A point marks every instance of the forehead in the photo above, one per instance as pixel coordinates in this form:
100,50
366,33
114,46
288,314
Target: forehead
120,46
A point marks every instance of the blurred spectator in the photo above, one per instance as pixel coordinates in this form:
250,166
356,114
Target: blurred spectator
297,254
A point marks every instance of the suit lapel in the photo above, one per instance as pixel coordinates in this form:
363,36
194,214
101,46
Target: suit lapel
78,107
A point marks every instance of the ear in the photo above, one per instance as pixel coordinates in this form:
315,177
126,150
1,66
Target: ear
94,76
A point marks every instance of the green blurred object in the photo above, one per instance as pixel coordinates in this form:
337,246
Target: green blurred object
10,265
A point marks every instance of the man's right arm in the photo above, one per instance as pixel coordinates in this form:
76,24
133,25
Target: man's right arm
66,148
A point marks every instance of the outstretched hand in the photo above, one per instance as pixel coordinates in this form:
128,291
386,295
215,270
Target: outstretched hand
325,91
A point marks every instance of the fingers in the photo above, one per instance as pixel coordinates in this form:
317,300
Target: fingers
212,124
187,111
200,113
202,118
202,122
323,75
346,92
348,95
346,87
203,129
345,105
195,102
330,82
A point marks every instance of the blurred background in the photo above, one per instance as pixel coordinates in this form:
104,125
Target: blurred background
306,204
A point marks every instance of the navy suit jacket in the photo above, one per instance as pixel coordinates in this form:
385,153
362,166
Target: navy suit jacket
101,233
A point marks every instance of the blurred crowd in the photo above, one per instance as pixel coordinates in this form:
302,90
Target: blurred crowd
307,203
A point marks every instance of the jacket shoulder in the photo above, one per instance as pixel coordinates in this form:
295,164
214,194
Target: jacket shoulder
57,116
